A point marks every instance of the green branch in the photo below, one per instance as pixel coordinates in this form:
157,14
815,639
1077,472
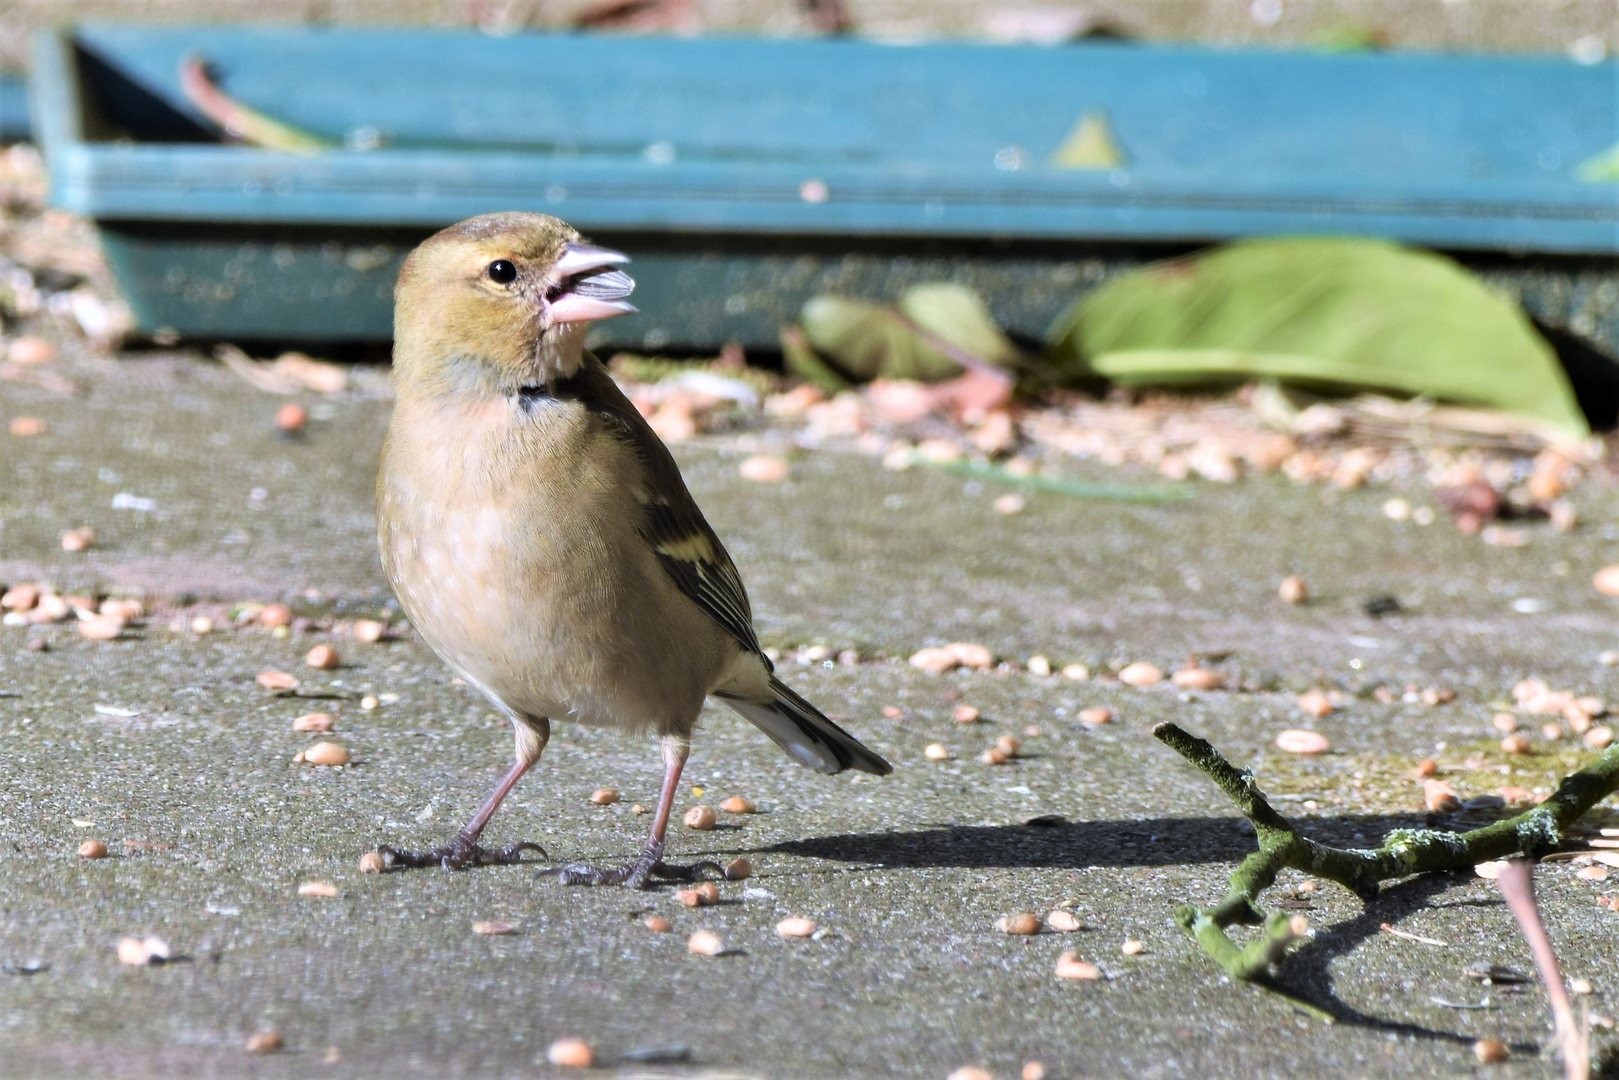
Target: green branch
1534,832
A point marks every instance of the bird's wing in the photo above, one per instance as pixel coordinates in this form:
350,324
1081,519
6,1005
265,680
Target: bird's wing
688,549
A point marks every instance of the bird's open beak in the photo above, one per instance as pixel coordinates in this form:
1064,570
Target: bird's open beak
588,285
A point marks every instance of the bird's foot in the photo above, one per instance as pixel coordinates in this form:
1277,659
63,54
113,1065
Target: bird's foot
636,875
458,854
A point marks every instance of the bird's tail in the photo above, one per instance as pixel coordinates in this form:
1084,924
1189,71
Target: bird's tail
808,737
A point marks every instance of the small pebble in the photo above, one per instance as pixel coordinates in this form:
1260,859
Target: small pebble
277,680
322,889
657,924
322,657
1516,744
1317,703
264,1042
1141,673
700,817
291,417
1063,921
1009,504
1076,672
764,469
796,927
966,714
1299,741
372,862
275,615
368,631
738,870
326,753
1095,716
1039,666
1439,797
1070,966
78,539
605,796
369,702
1132,948
101,627
315,721
1033,1070
704,943
1293,590
1491,1051
736,804
1198,678
92,849
1020,923
570,1054
936,752
495,927
27,427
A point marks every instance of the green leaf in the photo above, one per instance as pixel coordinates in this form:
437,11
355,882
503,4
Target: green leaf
866,341
1333,313
958,315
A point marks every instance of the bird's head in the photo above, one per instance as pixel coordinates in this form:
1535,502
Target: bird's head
501,301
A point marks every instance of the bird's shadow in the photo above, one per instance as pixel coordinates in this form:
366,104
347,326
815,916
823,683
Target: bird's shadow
1058,844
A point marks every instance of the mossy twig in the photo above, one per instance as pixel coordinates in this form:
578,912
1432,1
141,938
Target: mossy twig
1403,852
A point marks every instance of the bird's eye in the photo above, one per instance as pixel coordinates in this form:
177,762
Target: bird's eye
502,272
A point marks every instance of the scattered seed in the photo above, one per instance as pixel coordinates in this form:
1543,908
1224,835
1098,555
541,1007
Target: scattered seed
605,796
495,927
372,862
92,849
1095,716
368,631
1490,1051
1299,741
31,350
1551,732
1599,738
1198,678
322,657
1439,797
1606,580
326,753
1592,873
1426,768
27,427
1516,744
892,712
570,1054
101,627
1039,666
1141,673
966,714
736,804
369,702
971,1072
1070,966
639,809
700,817
315,721
202,624
323,889
1033,1070
796,927
657,924
704,943
264,1042
20,597
1076,672
1008,745
138,952
689,897
764,469
1063,921
1022,923
277,680
992,757
275,615
936,752
1132,948
1317,703
1504,722
1489,871
1293,590
1581,986
291,417
1009,504
78,539
738,870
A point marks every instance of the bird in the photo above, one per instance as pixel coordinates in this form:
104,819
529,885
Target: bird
539,535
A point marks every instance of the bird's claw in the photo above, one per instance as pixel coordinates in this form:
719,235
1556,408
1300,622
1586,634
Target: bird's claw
458,854
637,875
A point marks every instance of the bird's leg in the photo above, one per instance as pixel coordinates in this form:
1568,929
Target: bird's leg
464,850
650,863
